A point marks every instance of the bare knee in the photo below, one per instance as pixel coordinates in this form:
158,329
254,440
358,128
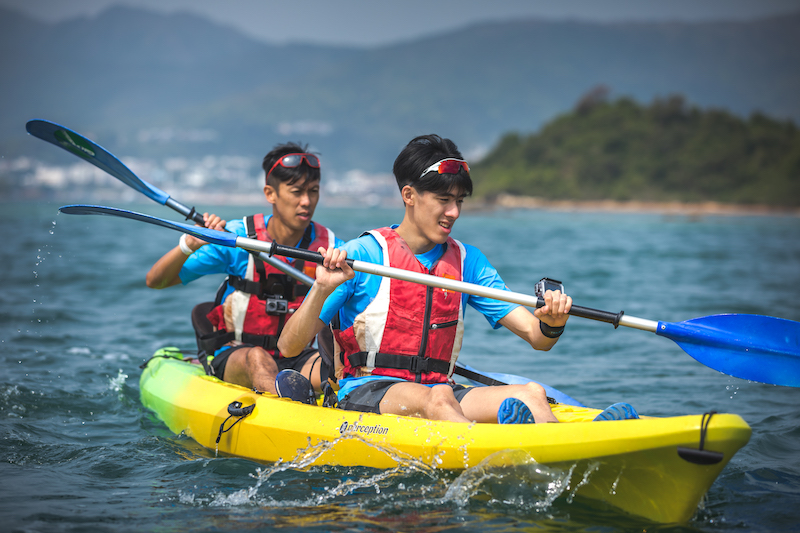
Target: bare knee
441,397
535,392
257,357
536,399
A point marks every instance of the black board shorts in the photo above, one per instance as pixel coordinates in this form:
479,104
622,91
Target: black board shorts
367,398
295,363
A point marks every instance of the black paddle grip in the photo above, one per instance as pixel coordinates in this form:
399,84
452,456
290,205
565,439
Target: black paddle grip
592,314
596,314
298,253
197,217
189,212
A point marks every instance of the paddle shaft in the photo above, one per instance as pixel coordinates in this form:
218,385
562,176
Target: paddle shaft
448,284
190,213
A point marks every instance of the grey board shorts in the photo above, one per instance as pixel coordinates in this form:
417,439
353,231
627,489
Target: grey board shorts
367,397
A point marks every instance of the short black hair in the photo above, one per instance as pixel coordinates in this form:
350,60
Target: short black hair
422,152
290,176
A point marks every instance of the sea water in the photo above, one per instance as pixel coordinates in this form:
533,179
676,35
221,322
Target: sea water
80,453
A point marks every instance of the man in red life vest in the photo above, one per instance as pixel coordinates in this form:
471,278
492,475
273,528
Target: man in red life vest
259,299
397,342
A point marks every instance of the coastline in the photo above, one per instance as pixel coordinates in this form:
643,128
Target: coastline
114,196
508,201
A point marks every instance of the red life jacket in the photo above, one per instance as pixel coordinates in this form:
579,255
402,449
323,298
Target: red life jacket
408,330
265,298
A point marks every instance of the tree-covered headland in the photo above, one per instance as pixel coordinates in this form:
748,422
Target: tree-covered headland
666,151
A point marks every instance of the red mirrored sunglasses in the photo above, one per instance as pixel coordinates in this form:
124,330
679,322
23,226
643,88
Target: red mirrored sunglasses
448,166
295,160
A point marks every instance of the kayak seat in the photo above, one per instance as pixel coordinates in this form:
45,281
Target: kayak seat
200,322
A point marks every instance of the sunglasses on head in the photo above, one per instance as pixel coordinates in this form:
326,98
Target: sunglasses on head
295,160
447,166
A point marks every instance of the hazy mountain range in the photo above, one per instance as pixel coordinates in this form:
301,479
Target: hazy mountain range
154,85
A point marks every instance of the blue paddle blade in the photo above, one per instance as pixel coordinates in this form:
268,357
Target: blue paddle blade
94,154
754,347
209,235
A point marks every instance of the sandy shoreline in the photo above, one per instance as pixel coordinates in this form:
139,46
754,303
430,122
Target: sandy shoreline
507,201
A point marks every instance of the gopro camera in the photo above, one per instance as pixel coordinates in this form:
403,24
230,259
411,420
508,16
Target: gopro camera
277,306
547,284
280,291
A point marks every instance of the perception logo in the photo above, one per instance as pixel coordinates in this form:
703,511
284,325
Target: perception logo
359,428
78,148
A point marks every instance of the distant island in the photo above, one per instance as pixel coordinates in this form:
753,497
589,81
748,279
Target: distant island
665,152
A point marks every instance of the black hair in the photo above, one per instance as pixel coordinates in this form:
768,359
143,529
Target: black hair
290,176
422,152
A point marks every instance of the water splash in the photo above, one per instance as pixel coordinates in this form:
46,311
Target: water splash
591,468
40,257
186,498
11,390
118,382
511,480
11,408
616,481
510,477
305,459
734,388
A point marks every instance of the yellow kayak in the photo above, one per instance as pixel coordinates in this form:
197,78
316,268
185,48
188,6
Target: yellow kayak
656,468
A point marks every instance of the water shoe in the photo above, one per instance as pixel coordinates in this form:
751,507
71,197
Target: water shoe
292,384
513,411
618,411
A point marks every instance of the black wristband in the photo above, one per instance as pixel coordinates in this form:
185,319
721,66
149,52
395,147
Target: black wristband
549,331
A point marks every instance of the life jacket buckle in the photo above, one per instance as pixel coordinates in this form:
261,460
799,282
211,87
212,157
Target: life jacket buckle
418,365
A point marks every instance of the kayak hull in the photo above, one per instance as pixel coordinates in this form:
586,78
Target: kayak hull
633,465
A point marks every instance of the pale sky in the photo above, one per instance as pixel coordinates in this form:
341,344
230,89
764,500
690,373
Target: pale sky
377,22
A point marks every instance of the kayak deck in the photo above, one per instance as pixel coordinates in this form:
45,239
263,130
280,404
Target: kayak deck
630,464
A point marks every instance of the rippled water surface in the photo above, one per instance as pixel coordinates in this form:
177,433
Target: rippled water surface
80,453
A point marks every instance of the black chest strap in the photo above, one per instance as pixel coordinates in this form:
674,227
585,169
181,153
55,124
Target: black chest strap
267,289
211,342
412,363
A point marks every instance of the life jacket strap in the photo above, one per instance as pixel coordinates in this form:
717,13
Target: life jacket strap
412,363
211,342
257,289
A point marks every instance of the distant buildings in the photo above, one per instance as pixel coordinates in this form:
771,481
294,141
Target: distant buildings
214,180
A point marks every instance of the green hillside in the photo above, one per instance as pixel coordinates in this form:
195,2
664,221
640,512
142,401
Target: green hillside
667,151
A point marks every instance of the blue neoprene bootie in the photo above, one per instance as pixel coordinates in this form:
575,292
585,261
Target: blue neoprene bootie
513,411
292,384
618,411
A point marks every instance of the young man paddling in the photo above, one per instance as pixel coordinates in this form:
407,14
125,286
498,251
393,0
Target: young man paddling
259,299
397,342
